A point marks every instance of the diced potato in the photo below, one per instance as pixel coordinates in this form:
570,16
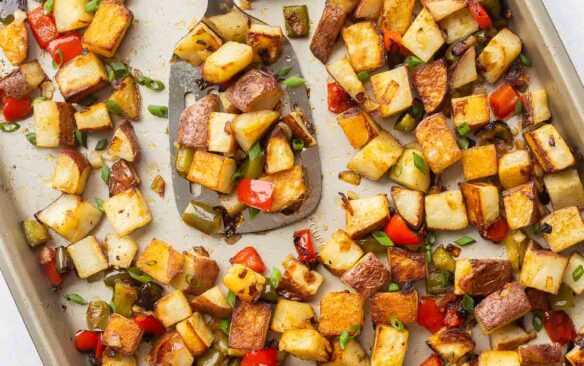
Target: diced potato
54,124
23,80
226,104
403,305
406,266
567,228
292,315
445,211
212,171
441,9
70,15
343,73
576,356
565,189
358,126
124,143
307,344
364,46
194,120
127,211
196,334
231,26
331,22
535,107
502,307
122,334
465,70
542,269
367,275
482,203
266,41
375,159
496,358
451,343
541,354
301,127
510,337
339,311
123,177
118,359
244,283
339,253
406,173
212,302
160,261
127,96
108,28
549,148
472,110
198,44
521,205
438,143
228,60
256,90
458,25
514,168
170,349
197,275
396,15
87,257
352,355
96,118
231,204
409,205
498,55
479,162
220,139
120,250
14,41
481,277
172,308
280,156
576,260
390,346
431,83
250,323
70,216
392,91
248,128
298,282
423,37
366,215
82,76
71,172
289,188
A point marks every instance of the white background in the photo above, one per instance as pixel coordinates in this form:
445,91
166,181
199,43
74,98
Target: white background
16,347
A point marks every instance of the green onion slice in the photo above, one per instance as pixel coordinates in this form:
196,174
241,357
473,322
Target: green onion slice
537,321
105,173
9,127
119,69
463,142
31,137
91,7
101,145
393,287
298,145
518,107
382,238
363,76
225,325
137,274
254,152
420,163
463,129
348,334
275,277
158,110
48,6
413,62
464,241
578,273
525,60
253,212
294,82
468,303
150,83
99,203
396,323
231,298
284,71
88,101
76,299
81,138
113,107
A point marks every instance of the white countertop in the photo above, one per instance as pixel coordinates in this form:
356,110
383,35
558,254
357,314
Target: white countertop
16,347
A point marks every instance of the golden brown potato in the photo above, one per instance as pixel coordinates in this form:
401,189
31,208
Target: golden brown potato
123,177
108,28
292,315
392,91
160,261
565,189
521,205
194,121
479,162
87,257
124,143
377,157
403,305
567,228
298,282
82,76
510,337
212,302
14,41
71,15
212,171
54,124
122,334
339,253
364,46
198,274
423,37
366,215
289,188
307,344
514,168
266,41
482,203
301,127
431,83
397,15
352,355
445,211
542,269
438,143
196,334
390,346
71,172
451,343
409,205
256,90
23,80
127,97
406,266
172,308
245,283
481,277
339,311
535,108
170,349
250,323
465,70
95,118
541,354
226,62
369,9
502,307
127,211
198,44
472,110
328,29
367,275
549,148
498,55
358,126
279,154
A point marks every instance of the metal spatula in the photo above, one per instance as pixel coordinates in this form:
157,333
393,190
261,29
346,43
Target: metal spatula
8,7
183,81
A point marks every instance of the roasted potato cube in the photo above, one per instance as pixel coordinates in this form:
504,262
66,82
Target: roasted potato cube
390,346
198,44
23,80
14,41
445,211
289,188
54,124
498,55
549,148
541,354
405,265
212,171
170,349
367,275
120,250
226,104
465,70
458,25
364,46
123,177
307,344
248,128
375,159
212,302
409,205
441,9
479,162
339,311
403,305
82,76
542,269
358,126
343,73
330,25
535,107
438,143
576,356
280,156
521,205
576,260
230,26
70,216
196,334
70,15
298,282
124,143
108,28
220,138
482,203
172,308
494,358
194,120
245,283
266,41
352,355
160,261
339,253
472,110
567,228
127,96
514,168
451,343
502,307
127,211
431,83
392,91
118,359
396,15
96,118
406,173
565,189
366,215
423,37
231,204
250,323
301,127
481,277
71,172
510,337
369,9
256,90
228,60
292,315
198,274
87,257
122,334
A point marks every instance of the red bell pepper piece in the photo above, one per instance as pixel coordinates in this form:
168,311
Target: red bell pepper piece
255,193
429,314
433,360
393,42
16,109
48,261
559,327
338,99
87,340
503,101
497,231
399,232
149,324
262,357
69,45
305,247
480,15
43,26
99,347
250,258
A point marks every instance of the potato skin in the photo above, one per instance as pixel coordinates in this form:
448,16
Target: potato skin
431,82
367,276
206,271
251,88
193,125
249,325
167,349
486,277
540,354
329,27
15,85
66,124
123,176
403,305
405,265
502,307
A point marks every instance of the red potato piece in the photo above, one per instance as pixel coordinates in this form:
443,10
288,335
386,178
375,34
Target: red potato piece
123,177
256,90
192,129
124,144
431,83
71,172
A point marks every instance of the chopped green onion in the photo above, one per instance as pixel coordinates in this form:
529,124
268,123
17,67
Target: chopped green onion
431,238
254,152
536,229
464,241
88,101
275,277
91,7
413,62
111,75
468,303
39,99
428,252
382,238
231,298
525,60
9,127
463,129
418,109
396,323
81,138
112,306
348,334
393,287
158,110
105,173
537,321
518,107
31,137
294,82
48,6
101,145
113,107
253,212
155,85
225,325
76,299
363,76
298,145
119,69
137,274
57,59
236,177
397,170
463,142
578,273
420,163
284,71
99,203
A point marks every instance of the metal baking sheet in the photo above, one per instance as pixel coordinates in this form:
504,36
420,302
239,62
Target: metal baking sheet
25,173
